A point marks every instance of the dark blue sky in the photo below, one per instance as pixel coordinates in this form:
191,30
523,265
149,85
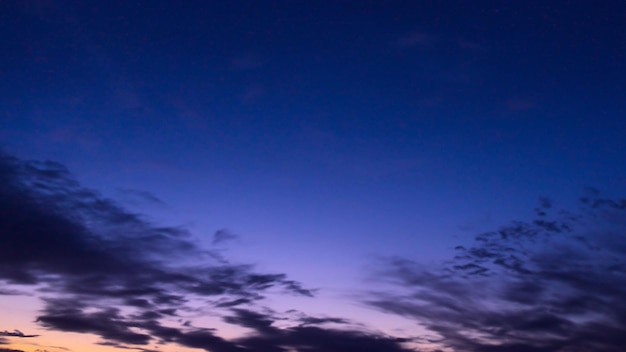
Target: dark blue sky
322,133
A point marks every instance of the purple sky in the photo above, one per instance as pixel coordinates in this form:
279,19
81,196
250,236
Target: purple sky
342,149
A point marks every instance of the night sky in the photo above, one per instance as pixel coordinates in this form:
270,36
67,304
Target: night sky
312,176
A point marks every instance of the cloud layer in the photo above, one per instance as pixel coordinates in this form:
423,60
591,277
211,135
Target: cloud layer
101,269
556,283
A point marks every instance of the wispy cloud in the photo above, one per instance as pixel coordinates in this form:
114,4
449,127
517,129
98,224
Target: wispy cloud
552,284
15,333
142,196
223,235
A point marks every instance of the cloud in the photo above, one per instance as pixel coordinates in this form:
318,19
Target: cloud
124,347
59,233
223,235
232,303
15,333
118,330
143,196
107,323
87,250
555,283
267,337
5,292
317,320
102,269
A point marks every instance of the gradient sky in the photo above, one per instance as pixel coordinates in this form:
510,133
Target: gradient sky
329,156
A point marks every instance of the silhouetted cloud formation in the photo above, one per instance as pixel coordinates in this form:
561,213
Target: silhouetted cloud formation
102,269
76,241
556,283
116,328
141,195
15,333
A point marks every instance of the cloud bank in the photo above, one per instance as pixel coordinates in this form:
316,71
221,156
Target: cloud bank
104,270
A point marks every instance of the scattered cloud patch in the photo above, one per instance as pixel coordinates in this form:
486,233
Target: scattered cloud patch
552,284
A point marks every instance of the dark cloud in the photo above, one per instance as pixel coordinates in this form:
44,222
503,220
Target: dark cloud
232,303
124,347
58,233
104,270
15,333
318,320
556,283
256,321
118,329
10,350
83,249
268,337
108,323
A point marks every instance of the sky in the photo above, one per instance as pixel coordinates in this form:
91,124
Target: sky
235,176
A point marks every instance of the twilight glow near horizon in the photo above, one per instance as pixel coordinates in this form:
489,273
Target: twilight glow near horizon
312,176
